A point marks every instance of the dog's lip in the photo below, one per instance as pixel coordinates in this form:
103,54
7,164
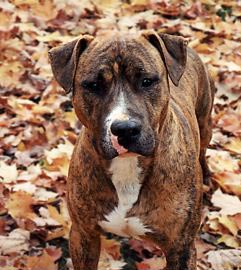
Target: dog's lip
128,154
119,149
122,151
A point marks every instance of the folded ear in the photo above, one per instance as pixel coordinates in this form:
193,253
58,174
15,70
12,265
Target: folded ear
173,50
64,60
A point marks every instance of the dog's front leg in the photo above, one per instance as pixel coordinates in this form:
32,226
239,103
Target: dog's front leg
183,257
84,249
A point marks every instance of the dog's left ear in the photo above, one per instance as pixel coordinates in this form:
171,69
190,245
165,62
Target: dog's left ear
64,60
173,50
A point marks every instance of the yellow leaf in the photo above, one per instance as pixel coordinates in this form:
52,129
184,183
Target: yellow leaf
208,2
228,240
140,2
234,145
111,246
229,224
43,262
71,118
19,205
11,72
108,4
204,48
59,217
5,20
60,232
38,109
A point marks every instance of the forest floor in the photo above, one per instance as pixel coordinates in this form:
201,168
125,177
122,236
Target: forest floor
39,128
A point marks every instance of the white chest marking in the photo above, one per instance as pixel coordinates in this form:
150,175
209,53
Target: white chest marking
126,179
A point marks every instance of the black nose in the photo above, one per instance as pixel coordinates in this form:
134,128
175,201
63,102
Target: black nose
126,129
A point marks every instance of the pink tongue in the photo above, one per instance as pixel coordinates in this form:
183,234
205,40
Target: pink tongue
120,149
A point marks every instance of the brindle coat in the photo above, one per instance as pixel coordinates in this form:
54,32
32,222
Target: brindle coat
175,115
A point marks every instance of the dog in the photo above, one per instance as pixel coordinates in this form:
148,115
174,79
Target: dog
137,169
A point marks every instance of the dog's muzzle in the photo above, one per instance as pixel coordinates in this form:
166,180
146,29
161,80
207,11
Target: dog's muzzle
125,133
127,137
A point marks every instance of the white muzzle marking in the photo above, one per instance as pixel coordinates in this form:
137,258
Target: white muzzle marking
118,113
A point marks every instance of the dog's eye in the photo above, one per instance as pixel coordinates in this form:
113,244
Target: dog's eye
92,86
147,82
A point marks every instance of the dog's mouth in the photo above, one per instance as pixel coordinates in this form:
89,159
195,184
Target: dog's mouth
112,146
121,150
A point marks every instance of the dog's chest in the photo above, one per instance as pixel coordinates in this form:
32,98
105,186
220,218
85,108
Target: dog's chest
126,178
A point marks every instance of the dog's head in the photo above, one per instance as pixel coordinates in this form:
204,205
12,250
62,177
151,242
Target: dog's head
119,86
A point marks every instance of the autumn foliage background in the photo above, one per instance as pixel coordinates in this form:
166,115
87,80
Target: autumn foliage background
38,128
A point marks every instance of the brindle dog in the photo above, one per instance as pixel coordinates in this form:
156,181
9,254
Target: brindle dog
137,168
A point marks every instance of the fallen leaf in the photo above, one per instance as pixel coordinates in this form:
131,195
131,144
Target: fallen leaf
229,204
154,263
44,261
19,205
26,186
224,259
16,241
231,122
229,181
228,240
234,145
220,161
111,246
108,263
8,173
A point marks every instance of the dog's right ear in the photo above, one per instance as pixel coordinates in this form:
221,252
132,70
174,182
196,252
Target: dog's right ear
64,60
173,50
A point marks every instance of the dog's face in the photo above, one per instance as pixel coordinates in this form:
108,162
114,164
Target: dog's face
120,87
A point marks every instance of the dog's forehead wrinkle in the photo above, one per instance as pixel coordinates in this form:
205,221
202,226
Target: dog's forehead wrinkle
122,55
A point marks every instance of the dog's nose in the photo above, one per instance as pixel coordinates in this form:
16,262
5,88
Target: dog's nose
126,129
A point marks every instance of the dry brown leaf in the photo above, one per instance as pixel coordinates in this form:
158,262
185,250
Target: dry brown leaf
43,262
154,263
229,181
55,253
231,122
237,220
111,246
19,205
202,248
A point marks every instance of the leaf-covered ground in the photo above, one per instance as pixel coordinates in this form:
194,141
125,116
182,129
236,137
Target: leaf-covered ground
39,128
